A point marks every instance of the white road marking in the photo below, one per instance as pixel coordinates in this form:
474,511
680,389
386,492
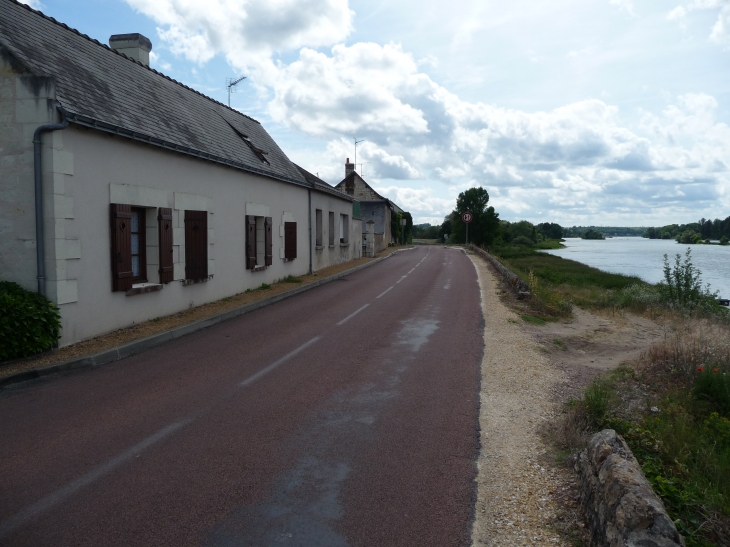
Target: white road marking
353,314
412,270
384,292
59,496
264,371
401,279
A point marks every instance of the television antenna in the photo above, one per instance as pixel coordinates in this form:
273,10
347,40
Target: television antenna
231,84
362,167
356,143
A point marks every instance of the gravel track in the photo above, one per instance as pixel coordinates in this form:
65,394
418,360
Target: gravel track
516,488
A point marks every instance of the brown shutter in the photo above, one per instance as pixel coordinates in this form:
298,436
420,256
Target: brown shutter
164,227
269,254
290,240
196,244
250,242
121,249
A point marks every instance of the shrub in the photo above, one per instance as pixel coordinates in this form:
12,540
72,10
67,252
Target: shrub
713,388
29,322
522,240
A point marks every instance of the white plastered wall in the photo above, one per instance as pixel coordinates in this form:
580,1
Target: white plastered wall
330,255
109,169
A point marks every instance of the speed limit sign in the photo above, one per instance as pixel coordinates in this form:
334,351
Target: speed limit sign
467,217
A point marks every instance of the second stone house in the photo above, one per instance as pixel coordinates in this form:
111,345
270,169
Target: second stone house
373,206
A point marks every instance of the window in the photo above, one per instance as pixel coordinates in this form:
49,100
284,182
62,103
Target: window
259,243
344,229
130,228
318,224
139,246
290,240
196,245
332,229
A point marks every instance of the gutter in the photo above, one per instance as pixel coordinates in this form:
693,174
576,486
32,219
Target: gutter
309,196
40,243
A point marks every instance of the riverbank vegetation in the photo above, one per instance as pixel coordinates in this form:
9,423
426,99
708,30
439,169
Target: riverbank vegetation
702,231
673,406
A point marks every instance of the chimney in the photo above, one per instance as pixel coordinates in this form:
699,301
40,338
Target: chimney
349,167
133,45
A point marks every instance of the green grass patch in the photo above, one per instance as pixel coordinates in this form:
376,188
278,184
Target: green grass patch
682,443
291,279
264,287
558,342
532,319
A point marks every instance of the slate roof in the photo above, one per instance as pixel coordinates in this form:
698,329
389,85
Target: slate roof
101,88
354,185
322,185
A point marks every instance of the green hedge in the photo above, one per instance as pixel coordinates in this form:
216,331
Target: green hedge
29,322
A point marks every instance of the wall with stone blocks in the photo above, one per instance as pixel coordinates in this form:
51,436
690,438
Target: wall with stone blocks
520,288
621,508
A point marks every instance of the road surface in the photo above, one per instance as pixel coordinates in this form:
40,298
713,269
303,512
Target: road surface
346,415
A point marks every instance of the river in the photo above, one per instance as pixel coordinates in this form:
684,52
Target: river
644,258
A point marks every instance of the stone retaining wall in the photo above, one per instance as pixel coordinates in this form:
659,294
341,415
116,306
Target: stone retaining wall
520,288
621,508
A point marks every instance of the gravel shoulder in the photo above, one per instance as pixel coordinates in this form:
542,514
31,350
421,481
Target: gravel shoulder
529,372
515,492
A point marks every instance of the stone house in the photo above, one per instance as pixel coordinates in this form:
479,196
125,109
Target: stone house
373,206
152,197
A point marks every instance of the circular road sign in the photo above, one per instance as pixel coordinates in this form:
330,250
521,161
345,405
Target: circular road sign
467,217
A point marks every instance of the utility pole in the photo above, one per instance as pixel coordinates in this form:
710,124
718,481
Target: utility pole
231,84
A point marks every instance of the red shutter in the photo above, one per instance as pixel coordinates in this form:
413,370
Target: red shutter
164,227
269,254
250,242
121,249
196,244
290,240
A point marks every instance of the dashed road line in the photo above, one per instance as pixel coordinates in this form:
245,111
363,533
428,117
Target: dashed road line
384,292
353,314
264,371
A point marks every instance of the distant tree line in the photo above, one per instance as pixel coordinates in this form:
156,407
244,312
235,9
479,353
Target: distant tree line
695,232
612,231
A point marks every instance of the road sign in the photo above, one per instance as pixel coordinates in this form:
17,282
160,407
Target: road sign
467,217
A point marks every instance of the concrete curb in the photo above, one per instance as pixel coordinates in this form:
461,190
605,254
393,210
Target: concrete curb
143,344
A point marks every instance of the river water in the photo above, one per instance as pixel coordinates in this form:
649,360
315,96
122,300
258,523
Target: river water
644,258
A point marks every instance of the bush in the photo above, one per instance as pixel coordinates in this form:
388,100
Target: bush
29,322
522,240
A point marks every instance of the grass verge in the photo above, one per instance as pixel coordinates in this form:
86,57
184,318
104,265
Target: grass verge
673,407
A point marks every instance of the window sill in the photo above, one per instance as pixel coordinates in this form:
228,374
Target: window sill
259,268
318,247
141,288
331,246
344,244
187,282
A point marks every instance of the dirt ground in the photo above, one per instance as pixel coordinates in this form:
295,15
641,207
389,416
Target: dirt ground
161,324
525,495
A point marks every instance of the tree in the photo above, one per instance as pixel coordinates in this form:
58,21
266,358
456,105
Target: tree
551,230
484,226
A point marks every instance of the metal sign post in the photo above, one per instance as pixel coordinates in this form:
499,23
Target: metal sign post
467,217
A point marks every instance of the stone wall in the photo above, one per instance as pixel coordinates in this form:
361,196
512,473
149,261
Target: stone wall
520,288
621,508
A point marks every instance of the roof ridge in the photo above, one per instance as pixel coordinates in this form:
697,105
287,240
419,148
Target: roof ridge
97,42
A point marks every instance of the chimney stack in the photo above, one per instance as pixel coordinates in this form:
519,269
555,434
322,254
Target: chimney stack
133,45
349,167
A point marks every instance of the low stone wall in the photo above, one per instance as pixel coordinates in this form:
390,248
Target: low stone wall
621,508
520,288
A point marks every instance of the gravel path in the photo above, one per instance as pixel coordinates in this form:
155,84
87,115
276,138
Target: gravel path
516,488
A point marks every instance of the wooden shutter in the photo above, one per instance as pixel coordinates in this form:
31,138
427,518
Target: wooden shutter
290,240
196,244
250,242
121,248
164,227
269,254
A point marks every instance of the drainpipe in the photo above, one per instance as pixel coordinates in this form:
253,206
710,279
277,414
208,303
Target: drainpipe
309,192
40,264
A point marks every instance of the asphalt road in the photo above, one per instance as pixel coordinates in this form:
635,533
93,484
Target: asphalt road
347,415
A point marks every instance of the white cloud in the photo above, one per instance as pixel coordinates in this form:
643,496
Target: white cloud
248,32
720,34
626,5
35,4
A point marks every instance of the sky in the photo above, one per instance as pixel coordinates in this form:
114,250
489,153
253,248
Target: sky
580,112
